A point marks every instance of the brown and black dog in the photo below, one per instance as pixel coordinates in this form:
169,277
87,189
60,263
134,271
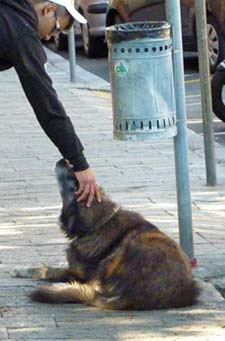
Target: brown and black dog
116,258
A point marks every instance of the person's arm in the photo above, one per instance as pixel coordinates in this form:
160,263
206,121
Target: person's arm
37,85
29,59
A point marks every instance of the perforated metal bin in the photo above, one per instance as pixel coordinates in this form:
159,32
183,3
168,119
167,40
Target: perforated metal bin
141,73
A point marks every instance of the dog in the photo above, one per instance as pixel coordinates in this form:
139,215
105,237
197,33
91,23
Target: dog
116,259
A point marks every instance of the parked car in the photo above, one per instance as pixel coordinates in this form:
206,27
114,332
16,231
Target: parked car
121,11
218,92
61,38
93,33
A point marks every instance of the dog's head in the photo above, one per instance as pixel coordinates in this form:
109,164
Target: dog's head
76,218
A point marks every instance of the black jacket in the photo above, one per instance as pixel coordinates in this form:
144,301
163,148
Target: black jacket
21,48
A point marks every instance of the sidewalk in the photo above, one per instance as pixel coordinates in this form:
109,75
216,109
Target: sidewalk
139,175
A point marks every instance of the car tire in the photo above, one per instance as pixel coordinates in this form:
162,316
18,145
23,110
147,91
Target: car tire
61,41
93,46
118,20
218,83
216,42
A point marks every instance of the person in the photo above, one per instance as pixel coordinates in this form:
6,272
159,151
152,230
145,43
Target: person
23,24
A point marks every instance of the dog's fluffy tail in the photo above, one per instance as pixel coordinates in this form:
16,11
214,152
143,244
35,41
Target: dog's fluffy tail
91,295
65,293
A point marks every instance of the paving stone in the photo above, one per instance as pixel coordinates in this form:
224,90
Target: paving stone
43,333
36,321
3,332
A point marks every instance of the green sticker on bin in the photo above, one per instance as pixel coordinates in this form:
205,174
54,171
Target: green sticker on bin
121,69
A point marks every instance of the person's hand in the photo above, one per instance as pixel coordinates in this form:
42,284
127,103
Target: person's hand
88,187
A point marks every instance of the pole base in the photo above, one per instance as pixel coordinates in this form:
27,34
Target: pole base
194,263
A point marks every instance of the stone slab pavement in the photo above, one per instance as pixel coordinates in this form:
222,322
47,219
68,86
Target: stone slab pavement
139,175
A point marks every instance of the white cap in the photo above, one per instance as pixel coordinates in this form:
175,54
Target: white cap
69,5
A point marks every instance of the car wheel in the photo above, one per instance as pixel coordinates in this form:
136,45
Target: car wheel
61,41
218,88
118,19
216,41
93,47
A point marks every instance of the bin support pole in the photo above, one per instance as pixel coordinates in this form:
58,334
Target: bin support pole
206,94
180,141
72,54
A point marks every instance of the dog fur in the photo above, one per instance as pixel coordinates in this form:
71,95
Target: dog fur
116,258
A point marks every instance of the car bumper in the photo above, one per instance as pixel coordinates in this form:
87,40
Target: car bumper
96,24
97,8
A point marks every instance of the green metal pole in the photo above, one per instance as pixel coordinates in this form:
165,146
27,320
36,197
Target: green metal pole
206,95
180,141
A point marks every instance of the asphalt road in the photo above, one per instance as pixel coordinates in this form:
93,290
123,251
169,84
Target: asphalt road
99,66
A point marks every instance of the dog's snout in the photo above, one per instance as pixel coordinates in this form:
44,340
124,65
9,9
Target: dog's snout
67,182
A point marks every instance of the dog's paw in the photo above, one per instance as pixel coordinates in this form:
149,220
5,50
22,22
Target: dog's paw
36,273
24,272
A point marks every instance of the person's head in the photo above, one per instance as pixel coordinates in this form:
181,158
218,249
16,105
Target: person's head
51,16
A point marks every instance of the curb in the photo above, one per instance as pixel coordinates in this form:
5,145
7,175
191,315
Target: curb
84,79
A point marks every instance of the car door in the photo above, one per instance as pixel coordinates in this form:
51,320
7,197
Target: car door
188,28
145,10
155,10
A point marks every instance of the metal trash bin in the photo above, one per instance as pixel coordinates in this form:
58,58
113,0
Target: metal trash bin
141,73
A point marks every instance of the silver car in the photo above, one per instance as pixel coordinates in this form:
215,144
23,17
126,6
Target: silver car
93,33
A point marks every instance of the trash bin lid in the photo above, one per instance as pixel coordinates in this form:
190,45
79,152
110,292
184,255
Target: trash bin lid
137,30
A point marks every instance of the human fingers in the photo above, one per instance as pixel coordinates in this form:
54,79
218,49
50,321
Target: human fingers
82,195
91,195
80,190
97,193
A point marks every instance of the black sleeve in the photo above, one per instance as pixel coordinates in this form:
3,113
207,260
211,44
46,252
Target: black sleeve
29,60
